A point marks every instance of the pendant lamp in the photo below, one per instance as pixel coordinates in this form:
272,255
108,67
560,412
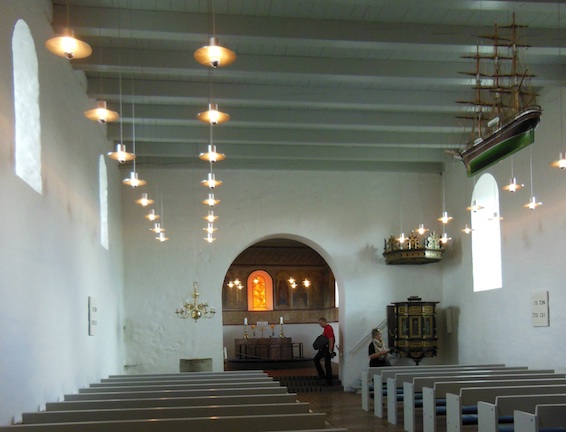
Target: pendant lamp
101,113
67,46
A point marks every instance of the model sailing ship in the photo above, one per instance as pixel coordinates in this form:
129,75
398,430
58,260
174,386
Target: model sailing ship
505,113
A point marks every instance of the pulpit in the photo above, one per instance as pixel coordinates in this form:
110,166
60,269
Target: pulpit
267,349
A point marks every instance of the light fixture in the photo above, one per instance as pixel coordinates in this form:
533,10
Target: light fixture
402,239
292,282
561,162
210,228
209,238
533,203
513,186
467,229
134,181
162,237
496,217
152,216
213,116
101,113
474,207
214,55
421,229
193,309
67,45
211,181
144,201
121,154
212,155
157,228
306,283
417,249
210,217
445,239
235,283
211,201
444,218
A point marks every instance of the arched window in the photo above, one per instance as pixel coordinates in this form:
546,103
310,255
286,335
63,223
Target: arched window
486,235
26,107
260,291
103,198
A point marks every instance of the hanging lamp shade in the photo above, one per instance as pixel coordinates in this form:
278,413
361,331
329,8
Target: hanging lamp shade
213,116
209,238
152,216
210,228
144,201
445,218
532,204
121,155
161,237
210,217
101,113
211,201
214,55
66,45
513,186
212,155
134,181
211,181
561,162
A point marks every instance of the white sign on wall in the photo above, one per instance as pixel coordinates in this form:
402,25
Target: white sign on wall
92,319
539,309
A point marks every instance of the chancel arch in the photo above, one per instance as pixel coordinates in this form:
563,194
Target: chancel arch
295,280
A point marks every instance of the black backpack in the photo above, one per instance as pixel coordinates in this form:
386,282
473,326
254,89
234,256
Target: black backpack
320,342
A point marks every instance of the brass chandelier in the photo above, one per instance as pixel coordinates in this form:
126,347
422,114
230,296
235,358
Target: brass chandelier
193,309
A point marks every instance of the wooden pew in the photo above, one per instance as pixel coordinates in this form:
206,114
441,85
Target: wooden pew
248,423
441,389
184,376
414,388
177,386
170,402
275,389
550,417
489,414
371,372
399,380
469,397
160,412
248,378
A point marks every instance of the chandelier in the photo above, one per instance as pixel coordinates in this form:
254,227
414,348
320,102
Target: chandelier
414,249
194,309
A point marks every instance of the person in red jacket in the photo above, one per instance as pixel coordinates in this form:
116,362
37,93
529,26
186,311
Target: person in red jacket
326,352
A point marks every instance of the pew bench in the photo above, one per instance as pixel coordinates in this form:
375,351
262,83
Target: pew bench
441,389
274,389
185,376
546,418
470,397
496,416
170,402
179,386
412,391
160,412
196,380
369,376
248,423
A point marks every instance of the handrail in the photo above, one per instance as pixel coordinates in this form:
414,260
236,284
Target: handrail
364,339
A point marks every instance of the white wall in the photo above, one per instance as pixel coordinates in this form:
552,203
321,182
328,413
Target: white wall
344,216
495,326
50,248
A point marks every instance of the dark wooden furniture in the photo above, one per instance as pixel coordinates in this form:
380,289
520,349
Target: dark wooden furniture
268,349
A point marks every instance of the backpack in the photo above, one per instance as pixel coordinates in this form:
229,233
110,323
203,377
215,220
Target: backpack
320,342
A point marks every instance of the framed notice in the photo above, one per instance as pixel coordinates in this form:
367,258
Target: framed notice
539,309
92,320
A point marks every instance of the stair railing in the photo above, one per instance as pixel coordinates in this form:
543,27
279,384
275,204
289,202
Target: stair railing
364,341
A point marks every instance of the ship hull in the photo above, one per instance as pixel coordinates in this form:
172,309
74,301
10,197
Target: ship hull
514,136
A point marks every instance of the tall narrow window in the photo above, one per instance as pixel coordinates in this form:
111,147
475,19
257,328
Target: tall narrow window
26,107
260,291
486,235
103,198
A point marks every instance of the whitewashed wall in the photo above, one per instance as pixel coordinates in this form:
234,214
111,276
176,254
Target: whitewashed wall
50,251
496,325
344,216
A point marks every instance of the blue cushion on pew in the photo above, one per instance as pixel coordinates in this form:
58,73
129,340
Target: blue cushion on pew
419,403
505,419
470,419
470,409
553,429
440,410
506,427
440,402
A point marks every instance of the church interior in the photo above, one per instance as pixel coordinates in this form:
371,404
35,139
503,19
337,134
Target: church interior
344,131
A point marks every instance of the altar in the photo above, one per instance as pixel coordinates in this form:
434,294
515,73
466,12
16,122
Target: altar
268,348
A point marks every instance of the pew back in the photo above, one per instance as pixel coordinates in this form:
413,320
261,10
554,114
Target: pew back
178,386
545,416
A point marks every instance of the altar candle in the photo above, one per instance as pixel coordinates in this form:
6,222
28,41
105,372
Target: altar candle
280,320
225,353
245,321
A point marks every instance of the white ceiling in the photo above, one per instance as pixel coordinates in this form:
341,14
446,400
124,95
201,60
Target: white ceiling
359,85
